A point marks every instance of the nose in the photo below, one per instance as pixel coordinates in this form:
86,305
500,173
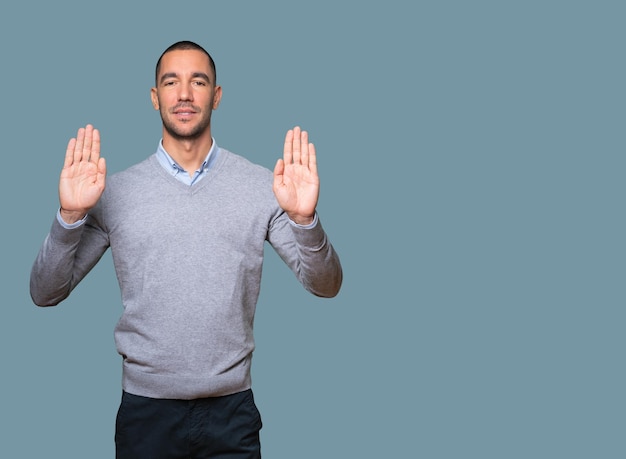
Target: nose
185,92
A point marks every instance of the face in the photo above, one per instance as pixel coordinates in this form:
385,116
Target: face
186,94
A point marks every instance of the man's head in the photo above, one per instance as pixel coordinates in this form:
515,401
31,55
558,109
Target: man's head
185,91
182,46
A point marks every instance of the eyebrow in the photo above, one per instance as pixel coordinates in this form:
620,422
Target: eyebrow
202,75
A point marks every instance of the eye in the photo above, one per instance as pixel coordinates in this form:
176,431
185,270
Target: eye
199,83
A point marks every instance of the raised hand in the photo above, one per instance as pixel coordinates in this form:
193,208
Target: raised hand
296,183
83,176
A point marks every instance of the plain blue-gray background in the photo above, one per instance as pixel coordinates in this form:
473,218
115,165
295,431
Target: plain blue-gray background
472,159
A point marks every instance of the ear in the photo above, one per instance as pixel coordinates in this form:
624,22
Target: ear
217,97
155,98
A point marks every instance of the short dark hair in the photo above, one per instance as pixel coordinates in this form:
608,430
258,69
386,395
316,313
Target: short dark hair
180,46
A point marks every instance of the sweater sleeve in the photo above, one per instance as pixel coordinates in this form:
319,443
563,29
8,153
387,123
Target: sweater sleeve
309,254
64,259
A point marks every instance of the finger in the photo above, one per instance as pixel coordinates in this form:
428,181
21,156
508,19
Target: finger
296,145
304,148
69,153
95,147
312,159
279,168
102,172
87,143
78,146
288,149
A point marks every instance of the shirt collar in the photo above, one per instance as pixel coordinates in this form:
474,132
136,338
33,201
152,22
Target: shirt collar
172,166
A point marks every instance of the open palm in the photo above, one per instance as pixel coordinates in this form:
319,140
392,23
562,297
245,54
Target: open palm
83,176
296,182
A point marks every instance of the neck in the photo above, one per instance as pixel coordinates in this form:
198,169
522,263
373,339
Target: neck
188,153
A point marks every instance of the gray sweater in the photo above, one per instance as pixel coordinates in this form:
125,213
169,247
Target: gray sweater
188,261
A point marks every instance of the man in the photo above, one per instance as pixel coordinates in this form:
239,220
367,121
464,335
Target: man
186,228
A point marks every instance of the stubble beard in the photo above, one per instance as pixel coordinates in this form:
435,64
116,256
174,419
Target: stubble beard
191,132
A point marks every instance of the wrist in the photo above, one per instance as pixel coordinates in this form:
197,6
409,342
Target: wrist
71,216
301,219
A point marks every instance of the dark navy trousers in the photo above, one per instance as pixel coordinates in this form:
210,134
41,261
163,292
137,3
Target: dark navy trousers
215,427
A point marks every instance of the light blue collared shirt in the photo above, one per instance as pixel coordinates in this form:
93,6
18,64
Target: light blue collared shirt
173,168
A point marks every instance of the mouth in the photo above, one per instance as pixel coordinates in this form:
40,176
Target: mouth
184,111
184,115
